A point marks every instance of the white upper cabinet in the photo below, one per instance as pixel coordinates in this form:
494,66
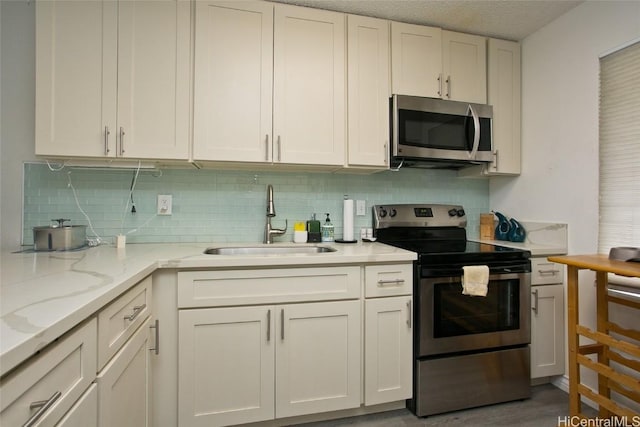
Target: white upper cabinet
504,95
428,61
233,81
368,91
309,108
464,67
416,58
269,84
113,79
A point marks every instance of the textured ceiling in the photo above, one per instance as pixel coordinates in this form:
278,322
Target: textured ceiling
505,19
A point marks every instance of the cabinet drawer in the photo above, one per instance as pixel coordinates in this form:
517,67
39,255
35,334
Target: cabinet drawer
544,272
59,375
240,287
388,280
120,319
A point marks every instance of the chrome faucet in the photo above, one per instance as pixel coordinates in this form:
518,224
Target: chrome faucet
271,212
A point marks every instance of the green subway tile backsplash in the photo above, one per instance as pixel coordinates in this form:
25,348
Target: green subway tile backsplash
215,206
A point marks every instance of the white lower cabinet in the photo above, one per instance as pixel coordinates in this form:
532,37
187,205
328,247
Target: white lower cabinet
547,330
43,389
388,348
247,364
123,385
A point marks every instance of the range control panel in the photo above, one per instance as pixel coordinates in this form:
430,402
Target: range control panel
412,215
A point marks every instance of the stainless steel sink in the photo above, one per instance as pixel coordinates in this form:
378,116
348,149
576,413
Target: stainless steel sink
268,250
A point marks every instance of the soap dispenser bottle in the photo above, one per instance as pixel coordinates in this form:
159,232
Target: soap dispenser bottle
327,230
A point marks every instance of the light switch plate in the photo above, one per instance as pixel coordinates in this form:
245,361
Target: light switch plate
361,207
165,204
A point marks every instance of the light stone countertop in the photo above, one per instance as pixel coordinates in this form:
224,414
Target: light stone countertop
43,295
542,238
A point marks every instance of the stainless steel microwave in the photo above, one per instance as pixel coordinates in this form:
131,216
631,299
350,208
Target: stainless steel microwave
428,132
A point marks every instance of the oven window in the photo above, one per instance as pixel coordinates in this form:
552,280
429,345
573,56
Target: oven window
441,131
456,314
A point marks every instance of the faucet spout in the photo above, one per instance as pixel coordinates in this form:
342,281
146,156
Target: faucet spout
269,231
271,209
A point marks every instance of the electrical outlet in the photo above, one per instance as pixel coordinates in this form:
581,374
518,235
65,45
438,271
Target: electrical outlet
361,208
164,204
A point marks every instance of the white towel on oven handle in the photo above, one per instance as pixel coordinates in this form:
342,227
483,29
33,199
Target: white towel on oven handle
475,280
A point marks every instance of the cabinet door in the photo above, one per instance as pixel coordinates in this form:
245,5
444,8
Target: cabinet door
226,365
309,86
547,331
369,91
464,67
504,94
416,60
123,384
153,79
85,411
76,78
317,357
233,81
388,350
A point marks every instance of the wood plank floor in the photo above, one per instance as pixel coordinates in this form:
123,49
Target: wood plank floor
548,405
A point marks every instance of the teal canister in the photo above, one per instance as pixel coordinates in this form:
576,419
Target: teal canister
503,227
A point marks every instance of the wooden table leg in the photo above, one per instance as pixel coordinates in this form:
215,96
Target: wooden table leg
574,340
602,313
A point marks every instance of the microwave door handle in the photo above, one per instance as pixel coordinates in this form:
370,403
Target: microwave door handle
476,133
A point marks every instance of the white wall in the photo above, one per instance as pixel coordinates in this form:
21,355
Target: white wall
17,112
559,180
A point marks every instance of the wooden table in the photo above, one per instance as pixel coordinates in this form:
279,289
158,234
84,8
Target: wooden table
611,342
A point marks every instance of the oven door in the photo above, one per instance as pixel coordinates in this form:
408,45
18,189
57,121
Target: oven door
450,322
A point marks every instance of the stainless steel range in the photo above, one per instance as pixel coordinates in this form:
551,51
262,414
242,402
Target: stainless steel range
468,350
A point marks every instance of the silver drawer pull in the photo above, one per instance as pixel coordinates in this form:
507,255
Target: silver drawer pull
552,272
390,282
43,406
136,310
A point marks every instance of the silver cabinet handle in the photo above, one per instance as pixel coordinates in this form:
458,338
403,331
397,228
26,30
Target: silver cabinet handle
269,325
552,272
440,84
266,148
136,310
156,326
495,156
535,301
43,406
409,314
390,282
279,149
121,141
448,95
386,153
106,140
282,324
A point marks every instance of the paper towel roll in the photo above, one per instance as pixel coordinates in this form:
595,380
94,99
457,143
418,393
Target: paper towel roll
347,220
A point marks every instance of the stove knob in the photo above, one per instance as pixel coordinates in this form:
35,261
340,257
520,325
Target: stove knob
453,212
383,212
460,212
392,213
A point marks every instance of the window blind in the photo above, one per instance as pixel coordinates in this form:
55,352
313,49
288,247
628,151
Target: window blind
619,137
